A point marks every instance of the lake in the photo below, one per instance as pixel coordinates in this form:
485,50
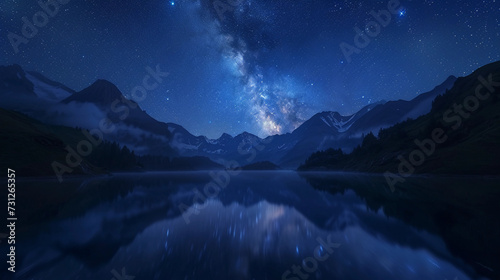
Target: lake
259,225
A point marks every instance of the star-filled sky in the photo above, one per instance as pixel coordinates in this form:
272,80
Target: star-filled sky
262,66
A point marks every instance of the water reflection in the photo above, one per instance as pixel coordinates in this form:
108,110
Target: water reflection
260,226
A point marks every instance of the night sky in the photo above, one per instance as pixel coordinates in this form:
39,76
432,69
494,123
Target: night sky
262,66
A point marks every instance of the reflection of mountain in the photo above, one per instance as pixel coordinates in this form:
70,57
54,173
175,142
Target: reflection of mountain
471,144
107,216
102,105
465,217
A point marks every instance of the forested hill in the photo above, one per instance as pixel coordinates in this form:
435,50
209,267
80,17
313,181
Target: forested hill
461,135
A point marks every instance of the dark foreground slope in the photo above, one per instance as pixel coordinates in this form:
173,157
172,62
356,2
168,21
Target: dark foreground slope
461,135
33,148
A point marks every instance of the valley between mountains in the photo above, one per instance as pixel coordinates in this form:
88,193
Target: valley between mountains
44,123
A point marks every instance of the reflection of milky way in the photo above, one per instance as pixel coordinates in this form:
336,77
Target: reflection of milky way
247,237
265,240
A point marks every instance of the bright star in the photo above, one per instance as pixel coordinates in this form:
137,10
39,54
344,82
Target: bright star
172,3
402,13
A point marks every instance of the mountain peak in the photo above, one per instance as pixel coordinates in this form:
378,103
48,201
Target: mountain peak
225,136
101,92
102,83
329,113
246,135
451,77
105,87
448,83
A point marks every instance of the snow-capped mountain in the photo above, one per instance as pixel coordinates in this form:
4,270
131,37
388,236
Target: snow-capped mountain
337,122
47,89
392,112
102,93
324,130
19,83
102,101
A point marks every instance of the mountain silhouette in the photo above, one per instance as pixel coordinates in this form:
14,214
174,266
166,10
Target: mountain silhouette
443,141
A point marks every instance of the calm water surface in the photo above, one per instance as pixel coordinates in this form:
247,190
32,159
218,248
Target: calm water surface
262,225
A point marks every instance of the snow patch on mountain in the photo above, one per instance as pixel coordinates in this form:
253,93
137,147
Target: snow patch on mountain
212,141
46,91
340,125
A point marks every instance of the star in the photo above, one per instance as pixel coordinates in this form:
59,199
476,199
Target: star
250,64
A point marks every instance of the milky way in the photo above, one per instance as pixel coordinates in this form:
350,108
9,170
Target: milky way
262,66
271,100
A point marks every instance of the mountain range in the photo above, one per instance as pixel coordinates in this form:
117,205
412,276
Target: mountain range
460,135
103,107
